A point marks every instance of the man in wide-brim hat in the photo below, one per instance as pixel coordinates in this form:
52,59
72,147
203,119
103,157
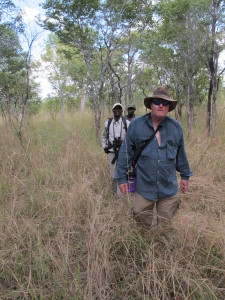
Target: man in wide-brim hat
161,93
156,167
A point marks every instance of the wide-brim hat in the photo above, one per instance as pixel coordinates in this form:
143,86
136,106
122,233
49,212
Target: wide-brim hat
161,93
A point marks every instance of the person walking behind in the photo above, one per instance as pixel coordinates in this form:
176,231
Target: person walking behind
156,180
131,108
113,134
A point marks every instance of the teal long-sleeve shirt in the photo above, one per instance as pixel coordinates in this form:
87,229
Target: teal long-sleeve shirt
157,165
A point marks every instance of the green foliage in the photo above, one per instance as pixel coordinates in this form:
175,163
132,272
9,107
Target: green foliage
66,72
52,105
78,9
72,104
17,89
34,106
11,62
147,43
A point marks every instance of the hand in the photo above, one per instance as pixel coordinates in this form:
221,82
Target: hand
106,149
183,186
123,188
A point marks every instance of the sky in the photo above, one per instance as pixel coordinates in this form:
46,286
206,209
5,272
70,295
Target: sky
31,9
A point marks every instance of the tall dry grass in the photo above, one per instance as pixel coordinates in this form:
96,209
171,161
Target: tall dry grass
64,235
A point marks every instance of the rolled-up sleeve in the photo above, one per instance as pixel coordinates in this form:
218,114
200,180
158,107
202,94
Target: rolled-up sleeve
182,165
104,135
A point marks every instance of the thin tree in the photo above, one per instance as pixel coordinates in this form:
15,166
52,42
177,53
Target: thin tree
28,70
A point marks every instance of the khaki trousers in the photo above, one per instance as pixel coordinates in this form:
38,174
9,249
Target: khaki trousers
143,209
112,168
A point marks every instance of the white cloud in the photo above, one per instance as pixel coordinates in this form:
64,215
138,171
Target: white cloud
30,14
222,64
42,78
45,87
222,58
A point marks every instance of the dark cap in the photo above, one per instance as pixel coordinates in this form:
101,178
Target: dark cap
131,106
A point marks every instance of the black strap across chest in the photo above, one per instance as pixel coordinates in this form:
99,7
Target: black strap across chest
145,144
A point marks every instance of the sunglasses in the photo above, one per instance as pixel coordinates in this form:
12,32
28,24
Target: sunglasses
158,101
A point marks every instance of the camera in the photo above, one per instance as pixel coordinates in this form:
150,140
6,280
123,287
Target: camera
117,142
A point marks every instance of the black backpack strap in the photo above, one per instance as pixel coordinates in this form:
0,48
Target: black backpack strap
145,144
109,122
124,120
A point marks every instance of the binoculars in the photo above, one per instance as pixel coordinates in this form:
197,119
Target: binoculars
117,142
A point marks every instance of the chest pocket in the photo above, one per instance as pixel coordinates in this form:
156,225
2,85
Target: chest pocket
171,150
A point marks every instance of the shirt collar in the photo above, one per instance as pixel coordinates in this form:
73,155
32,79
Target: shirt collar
119,121
149,120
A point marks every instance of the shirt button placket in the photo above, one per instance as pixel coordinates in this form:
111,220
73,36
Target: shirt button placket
158,167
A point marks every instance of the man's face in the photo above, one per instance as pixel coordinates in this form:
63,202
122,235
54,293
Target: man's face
159,108
117,111
130,111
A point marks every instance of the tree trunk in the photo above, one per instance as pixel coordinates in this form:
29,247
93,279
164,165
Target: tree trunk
62,110
8,105
119,95
129,92
83,101
208,125
214,104
179,110
190,106
213,68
